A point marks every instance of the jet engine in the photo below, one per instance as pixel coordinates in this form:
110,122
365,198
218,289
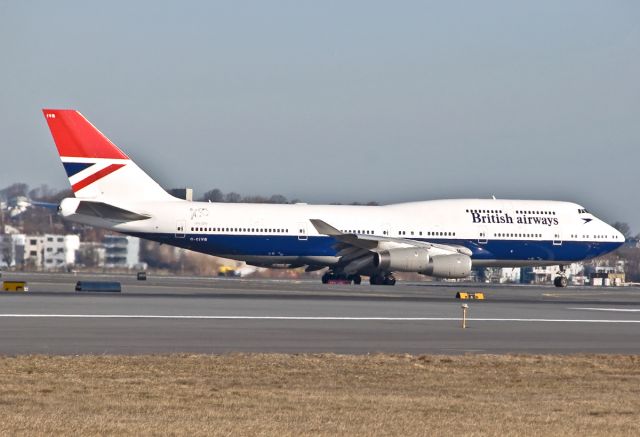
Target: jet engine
448,266
402,260
418,260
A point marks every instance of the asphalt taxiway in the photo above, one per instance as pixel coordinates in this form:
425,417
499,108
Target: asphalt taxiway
211,315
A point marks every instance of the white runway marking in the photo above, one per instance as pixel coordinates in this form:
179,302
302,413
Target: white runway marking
302,318
619,310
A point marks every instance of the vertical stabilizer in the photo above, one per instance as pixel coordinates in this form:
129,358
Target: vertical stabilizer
96,167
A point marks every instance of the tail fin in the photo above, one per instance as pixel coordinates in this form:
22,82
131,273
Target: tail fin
96,168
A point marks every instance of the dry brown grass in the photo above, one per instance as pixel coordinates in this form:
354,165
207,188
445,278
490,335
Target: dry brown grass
320,395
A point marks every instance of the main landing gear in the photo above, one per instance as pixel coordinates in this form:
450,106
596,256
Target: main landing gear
387,279
337,278
341,278
561,280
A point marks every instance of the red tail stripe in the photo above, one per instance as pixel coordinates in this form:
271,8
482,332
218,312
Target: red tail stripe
75,136
94,177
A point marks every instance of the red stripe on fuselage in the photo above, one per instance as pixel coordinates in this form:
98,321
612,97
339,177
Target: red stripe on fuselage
94,177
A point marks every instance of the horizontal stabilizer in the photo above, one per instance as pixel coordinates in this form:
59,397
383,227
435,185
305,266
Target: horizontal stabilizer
108,212
48,205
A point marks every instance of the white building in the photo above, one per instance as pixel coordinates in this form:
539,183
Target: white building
60,250
38,251
33,250
121,251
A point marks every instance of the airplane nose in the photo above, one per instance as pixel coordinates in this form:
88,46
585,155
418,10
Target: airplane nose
619,235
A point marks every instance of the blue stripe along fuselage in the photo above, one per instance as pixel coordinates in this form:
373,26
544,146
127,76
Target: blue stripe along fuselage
291,245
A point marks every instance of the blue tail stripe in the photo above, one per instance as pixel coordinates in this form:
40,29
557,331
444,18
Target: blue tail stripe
73,168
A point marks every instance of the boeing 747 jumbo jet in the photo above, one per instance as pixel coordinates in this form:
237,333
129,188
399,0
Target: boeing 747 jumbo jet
440,238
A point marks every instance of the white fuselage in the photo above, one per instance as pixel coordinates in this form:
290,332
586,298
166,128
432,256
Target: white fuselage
498,232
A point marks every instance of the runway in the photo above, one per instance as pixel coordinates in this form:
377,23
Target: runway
211,315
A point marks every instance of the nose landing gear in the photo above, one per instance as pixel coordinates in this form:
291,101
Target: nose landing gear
561,280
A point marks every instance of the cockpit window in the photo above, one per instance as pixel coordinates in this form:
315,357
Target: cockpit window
583,211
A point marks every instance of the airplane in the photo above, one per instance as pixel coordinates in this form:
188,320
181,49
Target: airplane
438,238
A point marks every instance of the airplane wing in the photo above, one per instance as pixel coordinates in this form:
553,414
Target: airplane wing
375,243
356,250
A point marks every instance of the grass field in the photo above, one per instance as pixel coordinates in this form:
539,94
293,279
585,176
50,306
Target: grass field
320,395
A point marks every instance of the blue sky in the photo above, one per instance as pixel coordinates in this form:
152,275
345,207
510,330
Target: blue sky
337,100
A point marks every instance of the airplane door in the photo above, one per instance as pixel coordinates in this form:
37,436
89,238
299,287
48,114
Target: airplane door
482,238
557,239
180,228
302,231
385,229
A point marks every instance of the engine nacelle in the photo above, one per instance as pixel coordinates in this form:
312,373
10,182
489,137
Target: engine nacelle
402,260
418,260
448,266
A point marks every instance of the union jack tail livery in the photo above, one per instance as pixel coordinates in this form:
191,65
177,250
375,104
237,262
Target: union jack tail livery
97,168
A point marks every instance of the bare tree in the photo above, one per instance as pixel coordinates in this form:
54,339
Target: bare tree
232,197
623,228
14,190
255,199
214,195
42,192
277,198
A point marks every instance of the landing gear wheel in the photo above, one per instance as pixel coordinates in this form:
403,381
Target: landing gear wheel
326,277
389,280
376,280
356,279
561,281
